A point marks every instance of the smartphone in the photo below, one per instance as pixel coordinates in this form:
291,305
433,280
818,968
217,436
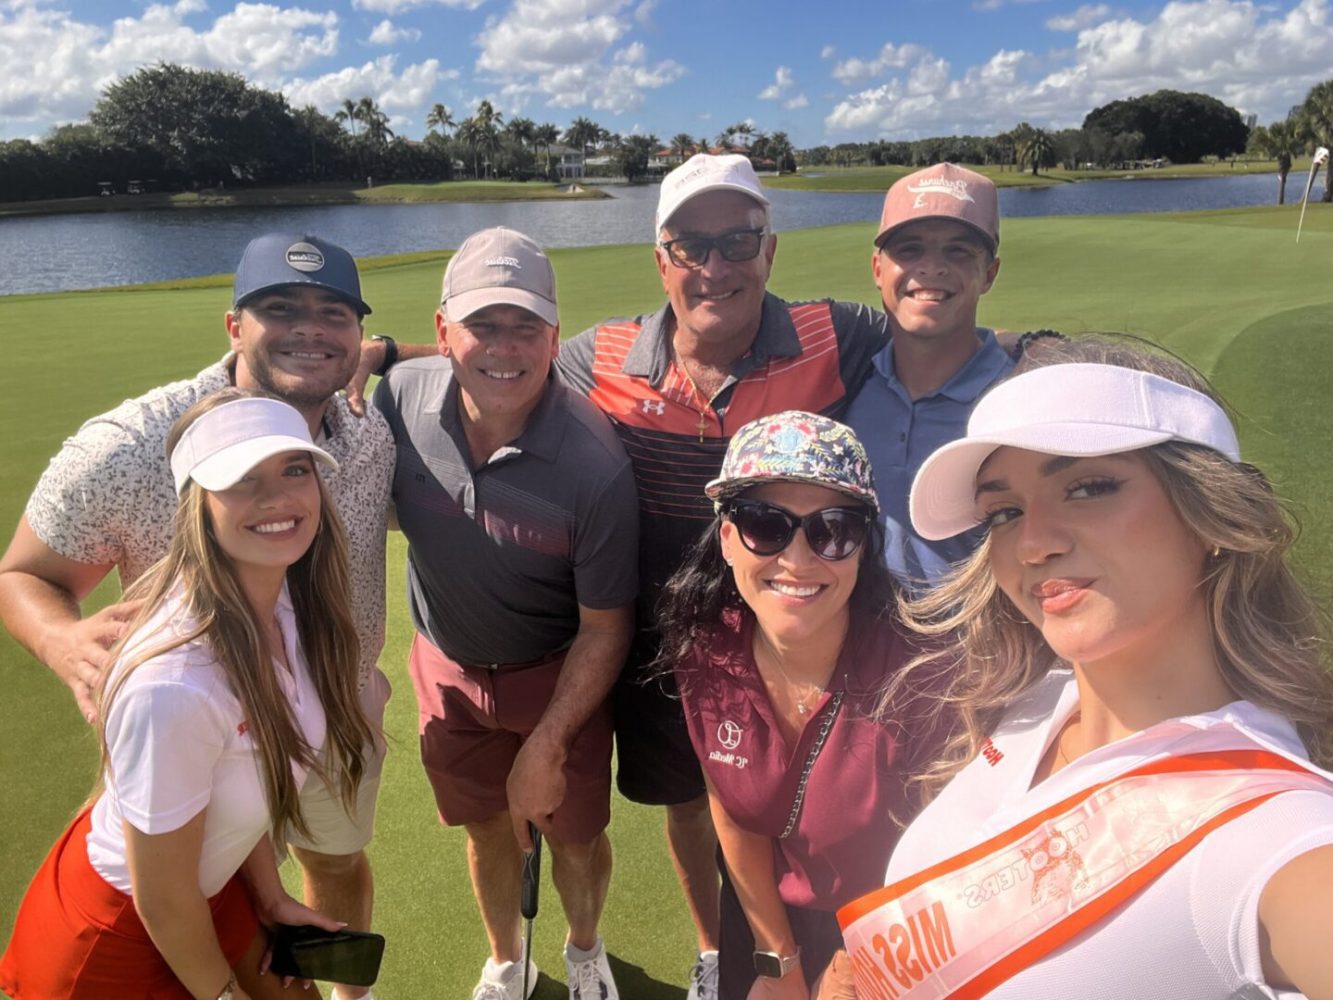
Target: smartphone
350,957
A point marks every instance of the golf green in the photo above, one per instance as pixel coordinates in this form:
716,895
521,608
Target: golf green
1230,291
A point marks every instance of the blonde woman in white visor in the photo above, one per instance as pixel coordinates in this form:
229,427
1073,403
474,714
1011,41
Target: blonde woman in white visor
1138,807
239,667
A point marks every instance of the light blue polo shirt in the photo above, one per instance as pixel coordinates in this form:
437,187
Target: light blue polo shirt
900,434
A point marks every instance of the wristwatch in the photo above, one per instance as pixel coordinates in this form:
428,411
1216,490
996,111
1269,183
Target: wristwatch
229,990
390,354
775,966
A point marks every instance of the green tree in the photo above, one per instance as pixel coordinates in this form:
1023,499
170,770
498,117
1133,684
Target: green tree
1316,123
348,115
1035,147
1182,127
1283,142
440,117
779,147
584,132
631,156
207,126
682,145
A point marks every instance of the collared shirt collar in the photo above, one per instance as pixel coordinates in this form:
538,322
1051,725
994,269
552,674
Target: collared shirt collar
986,364
650,355
541,435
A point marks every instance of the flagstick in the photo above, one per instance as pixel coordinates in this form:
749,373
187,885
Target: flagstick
1320,155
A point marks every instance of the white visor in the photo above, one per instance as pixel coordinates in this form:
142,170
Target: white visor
228,441
1078,410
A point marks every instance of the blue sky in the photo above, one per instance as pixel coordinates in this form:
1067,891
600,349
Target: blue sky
827,71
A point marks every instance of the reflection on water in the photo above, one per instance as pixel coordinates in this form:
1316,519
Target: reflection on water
61,252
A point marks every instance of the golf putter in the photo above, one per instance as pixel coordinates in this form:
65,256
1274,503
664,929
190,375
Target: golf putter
527,902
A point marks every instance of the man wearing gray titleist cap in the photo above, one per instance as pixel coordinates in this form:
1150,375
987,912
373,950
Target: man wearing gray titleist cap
107,499
521,518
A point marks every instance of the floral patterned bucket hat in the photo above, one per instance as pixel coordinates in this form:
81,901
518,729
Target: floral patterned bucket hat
795,447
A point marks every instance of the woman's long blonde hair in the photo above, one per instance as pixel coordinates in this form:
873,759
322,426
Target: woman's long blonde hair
227,624
1268,632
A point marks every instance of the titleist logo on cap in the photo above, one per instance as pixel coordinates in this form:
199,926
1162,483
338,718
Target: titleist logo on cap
940,185
305,257
503,262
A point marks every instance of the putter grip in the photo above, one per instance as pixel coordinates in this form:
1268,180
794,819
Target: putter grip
532,874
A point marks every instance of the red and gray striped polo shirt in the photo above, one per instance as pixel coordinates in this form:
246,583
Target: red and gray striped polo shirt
806,356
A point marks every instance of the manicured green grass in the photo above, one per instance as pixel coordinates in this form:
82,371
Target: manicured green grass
1231,291
828,178
311,194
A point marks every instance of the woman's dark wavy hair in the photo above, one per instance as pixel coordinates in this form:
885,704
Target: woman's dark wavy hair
694,599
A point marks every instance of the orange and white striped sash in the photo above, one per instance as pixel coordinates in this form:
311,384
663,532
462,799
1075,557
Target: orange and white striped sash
963,926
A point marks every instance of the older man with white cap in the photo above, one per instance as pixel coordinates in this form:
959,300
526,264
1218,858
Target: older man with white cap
106,502
720,352
521,518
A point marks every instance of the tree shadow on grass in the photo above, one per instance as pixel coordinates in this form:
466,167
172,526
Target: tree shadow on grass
632,982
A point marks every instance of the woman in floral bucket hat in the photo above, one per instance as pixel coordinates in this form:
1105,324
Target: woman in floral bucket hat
781,630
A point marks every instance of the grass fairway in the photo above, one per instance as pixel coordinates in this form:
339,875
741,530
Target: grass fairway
1231,291
829,178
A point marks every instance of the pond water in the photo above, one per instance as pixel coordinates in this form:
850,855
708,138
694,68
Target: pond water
63,252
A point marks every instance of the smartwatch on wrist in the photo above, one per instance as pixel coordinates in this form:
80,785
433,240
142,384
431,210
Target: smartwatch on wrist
390,354
774,966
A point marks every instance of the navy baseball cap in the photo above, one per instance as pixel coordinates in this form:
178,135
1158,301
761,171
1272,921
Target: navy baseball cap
279,259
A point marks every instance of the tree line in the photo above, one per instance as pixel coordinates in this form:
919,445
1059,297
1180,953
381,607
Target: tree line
173,128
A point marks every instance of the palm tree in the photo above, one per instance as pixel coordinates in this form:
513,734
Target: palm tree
682,145
440,117
1034,147
1316,119
521,130
1284,142
348,114
584,132
546,135
780,148
469,134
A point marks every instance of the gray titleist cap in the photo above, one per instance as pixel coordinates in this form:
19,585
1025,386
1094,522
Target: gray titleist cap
278,259
495,267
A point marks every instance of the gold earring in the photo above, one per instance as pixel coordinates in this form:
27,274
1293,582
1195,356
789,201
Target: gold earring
1217,551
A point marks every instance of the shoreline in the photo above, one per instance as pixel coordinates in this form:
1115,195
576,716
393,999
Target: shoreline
313,194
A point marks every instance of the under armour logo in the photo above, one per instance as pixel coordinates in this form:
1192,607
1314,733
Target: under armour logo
729,735
658,407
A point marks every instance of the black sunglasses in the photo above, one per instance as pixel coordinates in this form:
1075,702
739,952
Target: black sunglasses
765,529
693,251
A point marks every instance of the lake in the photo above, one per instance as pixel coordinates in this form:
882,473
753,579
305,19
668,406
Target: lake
64,252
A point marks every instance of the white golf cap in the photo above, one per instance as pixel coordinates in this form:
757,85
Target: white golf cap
704,172
228,441
1078,410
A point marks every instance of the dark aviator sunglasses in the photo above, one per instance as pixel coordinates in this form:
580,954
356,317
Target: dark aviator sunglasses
832,533
693,251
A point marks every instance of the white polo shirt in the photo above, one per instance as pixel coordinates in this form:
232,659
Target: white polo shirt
178,744
1193,934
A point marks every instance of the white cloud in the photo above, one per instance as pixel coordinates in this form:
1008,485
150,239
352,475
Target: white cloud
571,53
399,6
643,13
1084,17
828,52
799,101
1254,57
852,71
56,66
379,79
388,33
783,83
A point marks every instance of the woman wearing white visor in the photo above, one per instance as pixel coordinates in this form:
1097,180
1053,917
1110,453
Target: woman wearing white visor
238,668
1137,806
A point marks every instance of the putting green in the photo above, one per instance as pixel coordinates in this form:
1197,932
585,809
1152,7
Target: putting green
1229,290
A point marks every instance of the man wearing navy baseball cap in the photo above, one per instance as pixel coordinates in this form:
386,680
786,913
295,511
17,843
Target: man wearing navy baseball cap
106,501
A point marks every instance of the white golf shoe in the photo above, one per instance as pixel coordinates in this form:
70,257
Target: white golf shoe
590,978
703,980
504,981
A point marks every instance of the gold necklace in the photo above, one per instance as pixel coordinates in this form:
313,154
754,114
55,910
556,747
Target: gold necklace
816,690
702,405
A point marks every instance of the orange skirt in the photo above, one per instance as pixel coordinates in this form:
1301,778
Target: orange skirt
78,938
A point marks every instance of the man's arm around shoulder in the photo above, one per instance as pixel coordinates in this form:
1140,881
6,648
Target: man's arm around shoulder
40,591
